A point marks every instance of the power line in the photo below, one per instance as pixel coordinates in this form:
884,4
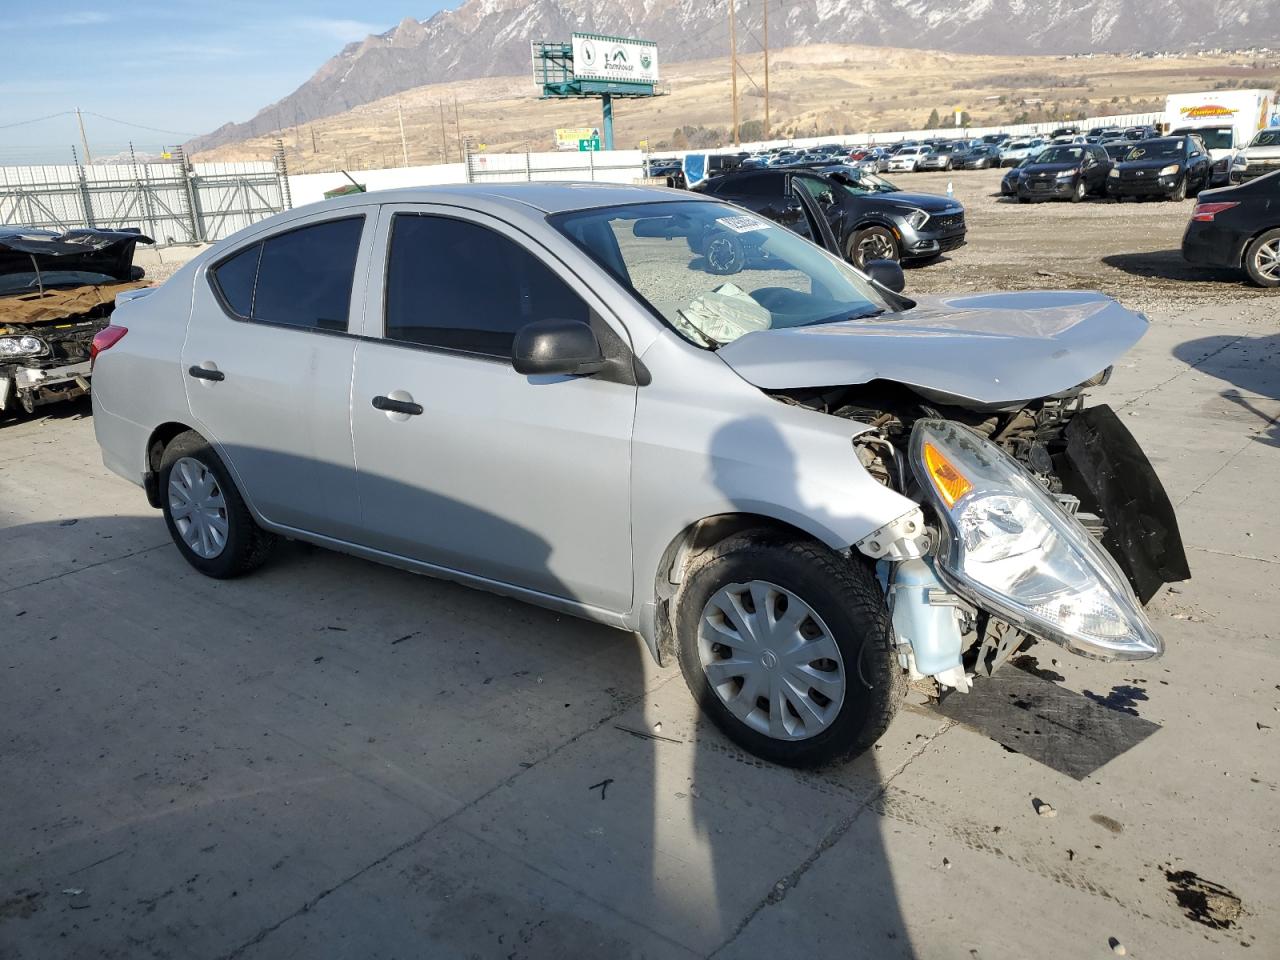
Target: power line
141,126
19,123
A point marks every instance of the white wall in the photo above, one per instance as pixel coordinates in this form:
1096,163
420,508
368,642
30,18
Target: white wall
307,188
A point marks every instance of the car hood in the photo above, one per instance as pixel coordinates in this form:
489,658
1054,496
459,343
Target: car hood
978,350
899,201
1154,163
1034,168
97,251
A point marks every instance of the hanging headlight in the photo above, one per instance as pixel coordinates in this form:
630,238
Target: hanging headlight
1010,548
21,346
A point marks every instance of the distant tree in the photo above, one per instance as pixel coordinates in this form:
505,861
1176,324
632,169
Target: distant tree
964,118
679,141
751,130
933,121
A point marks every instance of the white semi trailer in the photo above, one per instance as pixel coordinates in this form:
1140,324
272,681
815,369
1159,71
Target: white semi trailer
1225,119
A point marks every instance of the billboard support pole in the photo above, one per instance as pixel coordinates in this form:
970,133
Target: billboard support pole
606,127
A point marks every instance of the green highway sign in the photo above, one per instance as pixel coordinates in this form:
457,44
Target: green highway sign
592,143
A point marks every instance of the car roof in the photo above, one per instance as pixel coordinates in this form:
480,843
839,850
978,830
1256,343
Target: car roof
544,197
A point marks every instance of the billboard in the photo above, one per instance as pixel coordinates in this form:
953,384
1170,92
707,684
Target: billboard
572,138
614,59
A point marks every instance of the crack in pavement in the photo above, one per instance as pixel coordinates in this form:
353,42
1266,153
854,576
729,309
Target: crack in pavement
786,884
81,569
1194,365
1233,556
417,838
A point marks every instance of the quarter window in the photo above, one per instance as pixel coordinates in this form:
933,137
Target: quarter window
301,278
457,285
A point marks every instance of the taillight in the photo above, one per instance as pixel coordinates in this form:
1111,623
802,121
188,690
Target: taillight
105,339
1205,212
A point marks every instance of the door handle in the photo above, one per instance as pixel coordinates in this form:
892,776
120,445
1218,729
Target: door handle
204,373
397,406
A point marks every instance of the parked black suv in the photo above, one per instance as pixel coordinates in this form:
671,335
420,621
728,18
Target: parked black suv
1238,227
1066,171
867,225
1169,167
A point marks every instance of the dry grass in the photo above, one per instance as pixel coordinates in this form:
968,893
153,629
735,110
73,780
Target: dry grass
814,90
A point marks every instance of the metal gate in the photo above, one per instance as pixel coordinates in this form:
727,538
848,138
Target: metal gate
172,201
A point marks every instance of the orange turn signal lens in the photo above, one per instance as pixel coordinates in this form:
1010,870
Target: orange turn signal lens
950,482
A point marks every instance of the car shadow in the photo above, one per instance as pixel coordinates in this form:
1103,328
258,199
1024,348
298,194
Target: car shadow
77,409
1219,357
369,709
1169,265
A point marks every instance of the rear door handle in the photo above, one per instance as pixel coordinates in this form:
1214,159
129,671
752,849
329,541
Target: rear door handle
204,373
397,406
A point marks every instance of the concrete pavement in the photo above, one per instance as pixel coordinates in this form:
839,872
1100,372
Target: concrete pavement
336,759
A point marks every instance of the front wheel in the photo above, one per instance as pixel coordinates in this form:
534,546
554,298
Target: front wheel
871,243
788,648
206,516
1180,191
1078,192
724,253
1262,259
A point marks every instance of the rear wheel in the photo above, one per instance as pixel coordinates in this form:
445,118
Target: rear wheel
1262,259
787,647
871,243
206,516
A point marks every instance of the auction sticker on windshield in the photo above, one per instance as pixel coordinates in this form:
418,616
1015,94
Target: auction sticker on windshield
742,224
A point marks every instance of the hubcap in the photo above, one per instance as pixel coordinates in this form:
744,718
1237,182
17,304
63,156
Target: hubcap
720,253
771,660
198,508
1268,260
877,247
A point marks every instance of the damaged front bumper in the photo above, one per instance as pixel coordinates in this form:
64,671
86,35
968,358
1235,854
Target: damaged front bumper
31,386
1004,558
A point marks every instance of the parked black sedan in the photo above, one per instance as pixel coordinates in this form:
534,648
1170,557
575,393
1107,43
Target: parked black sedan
1238,227
978,157
1068,171
867,225
1009,182
1169,167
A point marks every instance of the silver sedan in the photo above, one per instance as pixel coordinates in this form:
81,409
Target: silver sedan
659,412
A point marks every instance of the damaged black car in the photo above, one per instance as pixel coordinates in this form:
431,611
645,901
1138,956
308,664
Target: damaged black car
57,290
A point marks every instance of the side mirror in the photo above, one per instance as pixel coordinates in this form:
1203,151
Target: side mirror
564,347
887,273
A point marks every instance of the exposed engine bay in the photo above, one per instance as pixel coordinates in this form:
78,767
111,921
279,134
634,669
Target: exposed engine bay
1083,456
56,292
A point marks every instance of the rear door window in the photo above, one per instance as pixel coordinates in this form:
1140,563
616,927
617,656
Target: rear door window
456,285
300,278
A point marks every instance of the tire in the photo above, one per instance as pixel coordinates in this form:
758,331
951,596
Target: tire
1262,259
844,612
871,243
1078,191
948,167
724,253
244,545
1180,191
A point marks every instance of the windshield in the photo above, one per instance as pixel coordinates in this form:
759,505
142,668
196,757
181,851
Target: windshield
1061,155
1156,150
1215,138
715,272
26,281
1117,149
1266,138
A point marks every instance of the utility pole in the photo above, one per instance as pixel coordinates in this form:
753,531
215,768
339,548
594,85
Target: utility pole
733,66
765,6
457,130
444,139
84,141
404,146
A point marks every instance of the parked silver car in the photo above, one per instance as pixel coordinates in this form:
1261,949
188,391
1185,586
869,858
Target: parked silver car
797,483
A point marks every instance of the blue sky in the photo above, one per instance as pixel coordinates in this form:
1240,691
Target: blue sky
182,67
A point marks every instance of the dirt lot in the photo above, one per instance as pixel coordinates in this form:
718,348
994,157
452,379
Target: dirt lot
333,759
1129,250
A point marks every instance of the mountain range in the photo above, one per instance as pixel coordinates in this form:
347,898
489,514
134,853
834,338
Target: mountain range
491,38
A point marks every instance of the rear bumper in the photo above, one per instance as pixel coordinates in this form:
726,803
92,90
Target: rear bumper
1211,246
